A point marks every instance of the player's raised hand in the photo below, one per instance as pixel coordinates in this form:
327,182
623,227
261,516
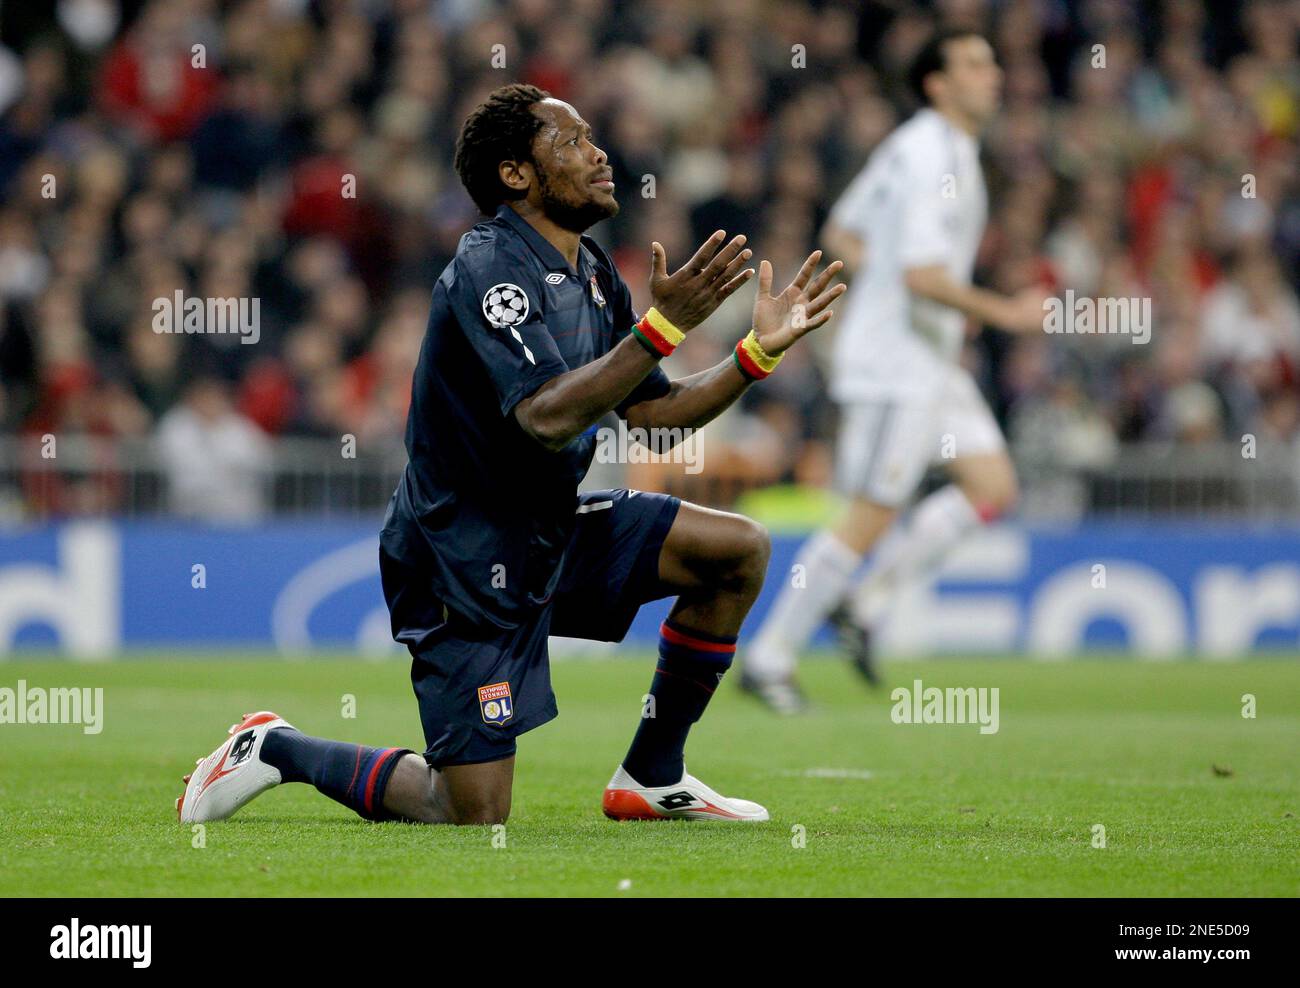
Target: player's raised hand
779,320
690,294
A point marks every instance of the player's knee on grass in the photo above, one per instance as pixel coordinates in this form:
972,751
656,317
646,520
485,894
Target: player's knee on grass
482,814
480,808
476,794
463,794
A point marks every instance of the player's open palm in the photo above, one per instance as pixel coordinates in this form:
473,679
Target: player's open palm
690,294
779,320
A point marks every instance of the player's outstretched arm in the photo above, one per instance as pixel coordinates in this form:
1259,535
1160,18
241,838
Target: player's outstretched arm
566,405
1019,313
779,322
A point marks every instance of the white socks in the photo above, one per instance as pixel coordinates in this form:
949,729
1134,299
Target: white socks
936,525
823,576
820,578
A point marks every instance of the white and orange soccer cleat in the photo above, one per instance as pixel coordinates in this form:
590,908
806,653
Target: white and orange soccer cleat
233,774
690,799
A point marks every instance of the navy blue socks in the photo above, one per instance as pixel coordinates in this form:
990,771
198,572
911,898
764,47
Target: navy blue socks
351,774
691,665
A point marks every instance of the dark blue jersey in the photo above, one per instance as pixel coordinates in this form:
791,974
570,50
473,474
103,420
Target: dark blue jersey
482,514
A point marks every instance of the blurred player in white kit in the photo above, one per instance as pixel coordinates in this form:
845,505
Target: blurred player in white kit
908,228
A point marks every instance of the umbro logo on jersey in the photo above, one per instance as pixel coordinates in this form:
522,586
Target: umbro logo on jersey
677,800
555,278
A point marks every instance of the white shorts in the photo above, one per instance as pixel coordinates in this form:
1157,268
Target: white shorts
885,444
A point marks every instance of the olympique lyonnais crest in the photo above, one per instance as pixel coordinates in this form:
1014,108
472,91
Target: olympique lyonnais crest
494,703
595,292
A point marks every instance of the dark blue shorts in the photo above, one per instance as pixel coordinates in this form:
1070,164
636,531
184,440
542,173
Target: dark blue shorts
478,688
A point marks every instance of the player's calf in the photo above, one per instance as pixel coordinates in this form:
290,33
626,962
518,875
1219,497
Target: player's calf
412,794
458,794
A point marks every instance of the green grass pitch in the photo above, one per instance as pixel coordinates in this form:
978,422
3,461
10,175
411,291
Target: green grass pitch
1195,799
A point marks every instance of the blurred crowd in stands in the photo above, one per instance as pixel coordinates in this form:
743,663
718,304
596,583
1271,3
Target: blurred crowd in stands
300,153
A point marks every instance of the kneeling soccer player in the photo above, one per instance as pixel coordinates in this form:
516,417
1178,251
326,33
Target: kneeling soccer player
487,548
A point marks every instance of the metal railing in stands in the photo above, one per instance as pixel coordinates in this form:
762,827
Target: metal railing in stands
131,478
310,477
1155,480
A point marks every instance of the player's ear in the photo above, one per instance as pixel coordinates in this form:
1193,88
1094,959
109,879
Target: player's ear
517,175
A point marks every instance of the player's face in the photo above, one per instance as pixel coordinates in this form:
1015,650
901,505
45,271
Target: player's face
973,77
575,185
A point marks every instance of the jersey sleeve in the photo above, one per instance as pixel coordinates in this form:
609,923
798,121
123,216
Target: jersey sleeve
653,385
929,217
497,300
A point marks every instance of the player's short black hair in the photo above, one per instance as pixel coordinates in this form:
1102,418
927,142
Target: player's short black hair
501,128
933,57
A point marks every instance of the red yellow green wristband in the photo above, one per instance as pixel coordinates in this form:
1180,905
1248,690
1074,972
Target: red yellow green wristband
752,360
657,334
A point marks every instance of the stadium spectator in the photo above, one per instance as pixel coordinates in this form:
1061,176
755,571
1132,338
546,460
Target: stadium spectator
215,458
